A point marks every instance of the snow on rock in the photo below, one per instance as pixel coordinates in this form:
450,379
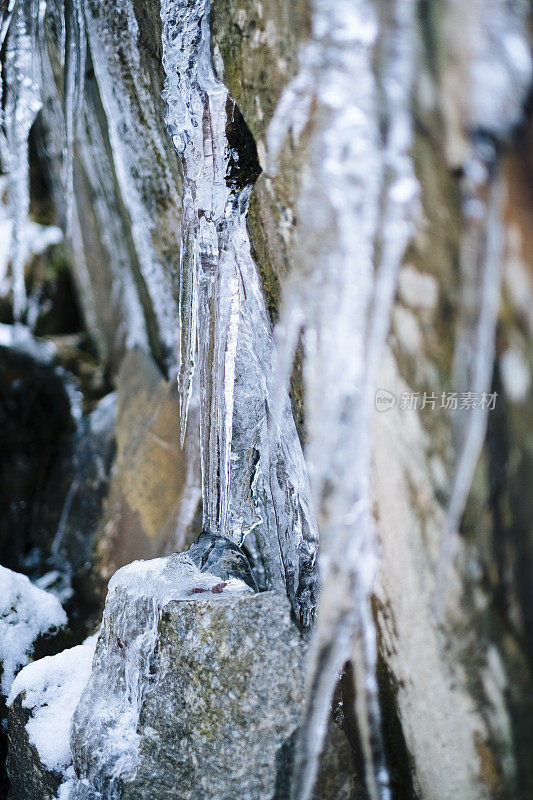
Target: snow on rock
26,612
52,688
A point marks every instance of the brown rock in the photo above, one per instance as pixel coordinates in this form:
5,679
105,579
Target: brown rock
141,512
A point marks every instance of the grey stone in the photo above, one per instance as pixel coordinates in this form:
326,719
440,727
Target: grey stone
196,692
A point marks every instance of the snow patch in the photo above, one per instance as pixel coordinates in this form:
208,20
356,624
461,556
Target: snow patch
53,687
26,612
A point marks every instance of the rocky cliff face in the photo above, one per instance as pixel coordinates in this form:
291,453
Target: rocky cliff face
393,144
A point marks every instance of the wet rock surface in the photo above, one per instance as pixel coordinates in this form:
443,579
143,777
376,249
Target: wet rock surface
221,556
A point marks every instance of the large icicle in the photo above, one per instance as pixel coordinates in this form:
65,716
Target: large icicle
354,215
253,480
75,55
22,88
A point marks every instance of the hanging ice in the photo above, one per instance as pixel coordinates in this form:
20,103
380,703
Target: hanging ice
75,54
486,83
253,479
350,244
22,89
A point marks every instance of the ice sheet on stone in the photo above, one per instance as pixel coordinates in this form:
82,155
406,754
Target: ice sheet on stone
136,598
173,577
116,72
94,156
26,612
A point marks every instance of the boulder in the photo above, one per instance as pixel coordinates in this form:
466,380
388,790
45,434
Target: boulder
141,515
197,683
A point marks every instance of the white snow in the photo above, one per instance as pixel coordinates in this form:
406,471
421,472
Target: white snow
25,612
53,687
20,338
63,793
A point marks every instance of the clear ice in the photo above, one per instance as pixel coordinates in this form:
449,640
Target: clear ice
254,477
21,84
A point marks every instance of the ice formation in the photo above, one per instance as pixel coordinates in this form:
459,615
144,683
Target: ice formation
22,96
26,612
254,476
349,249
75,57
484,89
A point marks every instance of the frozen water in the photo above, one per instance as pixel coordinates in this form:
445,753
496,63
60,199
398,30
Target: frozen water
349,249
487,82
22,87
253,473
120,677
75,56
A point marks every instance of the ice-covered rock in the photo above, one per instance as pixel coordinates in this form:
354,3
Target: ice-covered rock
197,683
42,700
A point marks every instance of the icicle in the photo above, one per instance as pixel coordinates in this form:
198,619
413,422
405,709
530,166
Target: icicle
7,13
22,84
75,55
474,356
350,246
253,483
